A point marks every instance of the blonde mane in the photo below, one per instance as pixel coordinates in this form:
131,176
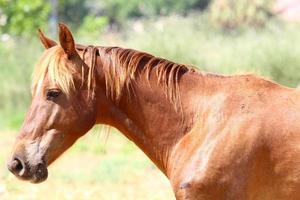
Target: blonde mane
122,66
120,69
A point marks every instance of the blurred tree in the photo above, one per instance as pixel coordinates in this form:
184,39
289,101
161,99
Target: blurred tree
22,17
168,6
93,26
53,18
72,12
118,11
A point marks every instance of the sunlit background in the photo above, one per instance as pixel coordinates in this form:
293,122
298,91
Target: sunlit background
220,36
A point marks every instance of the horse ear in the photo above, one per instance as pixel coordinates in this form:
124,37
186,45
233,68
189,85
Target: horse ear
48,43
66,40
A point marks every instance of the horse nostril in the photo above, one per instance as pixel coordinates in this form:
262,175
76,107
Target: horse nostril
16,166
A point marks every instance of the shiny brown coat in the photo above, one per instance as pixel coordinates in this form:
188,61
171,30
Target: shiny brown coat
215,137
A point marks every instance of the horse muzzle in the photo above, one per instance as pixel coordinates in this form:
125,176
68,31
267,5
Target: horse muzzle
22,169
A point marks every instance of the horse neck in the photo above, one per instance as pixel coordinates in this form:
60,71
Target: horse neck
146,115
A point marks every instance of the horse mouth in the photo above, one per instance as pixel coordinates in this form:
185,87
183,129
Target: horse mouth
37,174
40,174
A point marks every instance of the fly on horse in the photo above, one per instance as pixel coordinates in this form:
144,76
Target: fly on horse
214,137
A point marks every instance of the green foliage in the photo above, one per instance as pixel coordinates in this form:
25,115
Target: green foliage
232,14
158,7
72,12
118,11
92,26
23,17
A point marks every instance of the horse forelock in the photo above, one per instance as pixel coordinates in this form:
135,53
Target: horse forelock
59,71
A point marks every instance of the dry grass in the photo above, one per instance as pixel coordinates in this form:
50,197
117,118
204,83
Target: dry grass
90,170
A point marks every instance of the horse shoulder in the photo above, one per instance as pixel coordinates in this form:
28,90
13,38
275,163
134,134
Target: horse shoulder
213,166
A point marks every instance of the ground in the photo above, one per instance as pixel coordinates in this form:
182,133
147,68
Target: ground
97,167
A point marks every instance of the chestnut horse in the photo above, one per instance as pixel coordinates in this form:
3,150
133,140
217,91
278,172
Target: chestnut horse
214,137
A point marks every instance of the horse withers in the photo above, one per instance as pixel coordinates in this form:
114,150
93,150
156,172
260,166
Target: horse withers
213,136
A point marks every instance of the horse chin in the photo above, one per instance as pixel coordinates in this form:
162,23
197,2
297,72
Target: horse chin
38,180
39,173
40,176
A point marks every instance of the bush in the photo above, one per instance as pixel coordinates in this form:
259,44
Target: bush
92,26
232,14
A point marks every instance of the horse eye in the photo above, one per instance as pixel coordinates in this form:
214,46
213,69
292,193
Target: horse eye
52,94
